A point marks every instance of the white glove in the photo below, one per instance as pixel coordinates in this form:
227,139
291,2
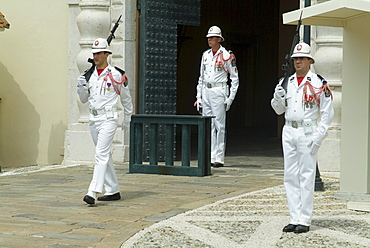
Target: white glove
83,89
279,92
126,121
228,103
199,104
81,80
313,146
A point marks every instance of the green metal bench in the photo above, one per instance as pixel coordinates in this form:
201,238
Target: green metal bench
139,122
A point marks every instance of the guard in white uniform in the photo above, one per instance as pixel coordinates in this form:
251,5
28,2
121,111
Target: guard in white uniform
104,87
213,95
308,108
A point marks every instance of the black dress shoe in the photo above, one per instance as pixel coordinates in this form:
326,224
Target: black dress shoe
113,197
212,164
89,200
301,229
216,165
289,228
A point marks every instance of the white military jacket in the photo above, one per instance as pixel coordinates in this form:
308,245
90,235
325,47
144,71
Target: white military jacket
298,107
101,93
211,73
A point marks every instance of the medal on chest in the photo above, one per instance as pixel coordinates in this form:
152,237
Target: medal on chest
219,66
105,86
219,62
309,101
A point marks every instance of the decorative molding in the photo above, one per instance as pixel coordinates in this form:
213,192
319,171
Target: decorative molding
73,2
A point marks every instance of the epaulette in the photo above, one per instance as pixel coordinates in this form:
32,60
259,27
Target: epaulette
120,70
322,79
325,86
122,73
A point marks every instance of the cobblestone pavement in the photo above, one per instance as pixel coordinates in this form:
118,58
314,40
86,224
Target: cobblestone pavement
255,220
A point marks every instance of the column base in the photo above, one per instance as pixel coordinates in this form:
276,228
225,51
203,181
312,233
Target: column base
329,152
359,206
356,201
79,147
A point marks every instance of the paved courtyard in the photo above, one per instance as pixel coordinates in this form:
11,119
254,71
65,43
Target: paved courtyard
240,205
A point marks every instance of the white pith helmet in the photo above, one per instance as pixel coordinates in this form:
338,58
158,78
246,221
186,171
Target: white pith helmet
215,31
100,45
302,50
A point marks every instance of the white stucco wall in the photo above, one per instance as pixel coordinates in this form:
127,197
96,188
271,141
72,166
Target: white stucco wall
33,82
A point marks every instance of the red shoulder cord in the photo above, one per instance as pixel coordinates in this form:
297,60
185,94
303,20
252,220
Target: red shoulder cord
115,83
316,92
220,61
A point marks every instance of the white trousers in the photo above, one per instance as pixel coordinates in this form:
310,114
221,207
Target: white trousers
102,133
213,105
299,174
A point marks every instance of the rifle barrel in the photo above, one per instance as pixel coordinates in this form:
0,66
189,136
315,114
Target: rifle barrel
111,36
288,66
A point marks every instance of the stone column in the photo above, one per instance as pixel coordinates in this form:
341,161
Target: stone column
327,46
93,22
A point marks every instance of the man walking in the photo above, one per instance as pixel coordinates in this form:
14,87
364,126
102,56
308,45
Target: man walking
103,88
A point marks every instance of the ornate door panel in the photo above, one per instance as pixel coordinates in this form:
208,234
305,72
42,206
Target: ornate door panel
158,24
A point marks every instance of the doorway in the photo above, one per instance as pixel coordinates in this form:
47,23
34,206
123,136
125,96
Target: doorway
254,32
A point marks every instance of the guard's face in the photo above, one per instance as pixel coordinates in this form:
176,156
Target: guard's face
302,65
214,41
100,58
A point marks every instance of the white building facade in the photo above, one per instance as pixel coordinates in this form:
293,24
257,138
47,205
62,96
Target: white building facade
42,85
87,19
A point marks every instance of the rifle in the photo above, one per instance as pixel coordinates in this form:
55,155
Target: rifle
90,71
288,66
111,36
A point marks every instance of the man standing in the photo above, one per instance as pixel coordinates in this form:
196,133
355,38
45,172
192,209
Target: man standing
102,89
307,96
213,96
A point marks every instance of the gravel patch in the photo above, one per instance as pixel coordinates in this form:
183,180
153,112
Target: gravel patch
167,237
313,240
353,227
238,231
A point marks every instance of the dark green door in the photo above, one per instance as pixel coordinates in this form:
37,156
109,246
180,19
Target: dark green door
158,23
